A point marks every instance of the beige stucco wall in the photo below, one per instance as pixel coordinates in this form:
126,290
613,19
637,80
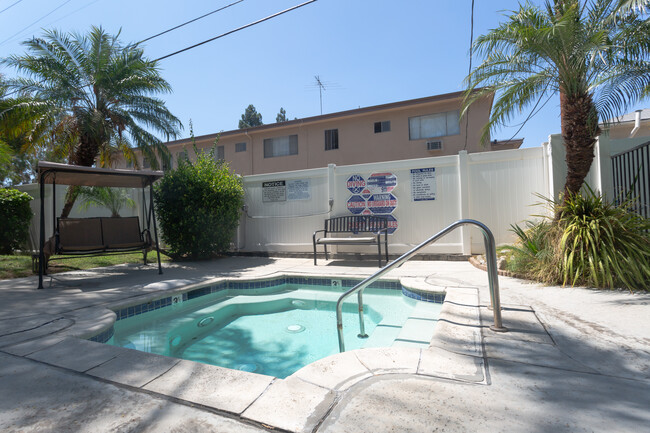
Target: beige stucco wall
358,143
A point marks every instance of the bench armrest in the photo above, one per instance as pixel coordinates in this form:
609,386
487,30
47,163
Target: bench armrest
318,231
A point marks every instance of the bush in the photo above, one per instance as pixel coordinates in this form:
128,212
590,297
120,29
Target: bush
591,242
198,207
15,216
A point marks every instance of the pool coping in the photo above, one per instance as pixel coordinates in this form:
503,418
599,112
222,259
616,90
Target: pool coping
305,398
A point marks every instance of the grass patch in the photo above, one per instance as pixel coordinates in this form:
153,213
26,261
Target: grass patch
15,266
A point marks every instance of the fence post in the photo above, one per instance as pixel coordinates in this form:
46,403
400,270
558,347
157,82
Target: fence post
331,186
463,210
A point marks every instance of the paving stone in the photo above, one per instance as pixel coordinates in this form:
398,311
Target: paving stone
291,404
335,372
133,368
212,386
76,354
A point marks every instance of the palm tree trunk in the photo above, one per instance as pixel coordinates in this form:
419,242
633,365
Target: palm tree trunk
84,155
579,130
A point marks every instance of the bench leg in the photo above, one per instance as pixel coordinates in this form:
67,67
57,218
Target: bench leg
144,257
325,247
379,253
315,254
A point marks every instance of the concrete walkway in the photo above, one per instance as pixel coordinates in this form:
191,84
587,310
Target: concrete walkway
573,360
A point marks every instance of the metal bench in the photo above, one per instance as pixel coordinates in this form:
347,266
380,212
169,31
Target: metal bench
352,226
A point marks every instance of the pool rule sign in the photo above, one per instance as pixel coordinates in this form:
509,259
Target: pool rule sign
373,196
423,184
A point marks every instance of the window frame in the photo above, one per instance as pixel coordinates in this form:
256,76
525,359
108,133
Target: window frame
292,146
444,114
382,126
333,142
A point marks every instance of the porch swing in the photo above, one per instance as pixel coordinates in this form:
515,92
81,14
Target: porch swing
95,236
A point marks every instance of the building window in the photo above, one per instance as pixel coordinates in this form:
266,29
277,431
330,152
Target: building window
434,125
280,146
146,163
219,155
166,164
240,147
331,139
382,126
182,156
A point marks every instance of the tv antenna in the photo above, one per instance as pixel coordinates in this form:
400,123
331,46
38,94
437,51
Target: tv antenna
321,87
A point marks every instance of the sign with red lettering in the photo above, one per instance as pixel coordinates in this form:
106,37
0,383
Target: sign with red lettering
356,204
392,224
382,203
381,182
356,183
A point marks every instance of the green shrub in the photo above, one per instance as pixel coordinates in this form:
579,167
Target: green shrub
15,216
198,207
590,242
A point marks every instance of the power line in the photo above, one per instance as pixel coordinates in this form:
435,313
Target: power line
236,30
38,20
190,21
471,53
11,5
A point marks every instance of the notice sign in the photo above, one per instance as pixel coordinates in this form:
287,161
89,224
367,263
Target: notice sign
299,189
423,184
274,191
382,203
381,183
356,204
355,184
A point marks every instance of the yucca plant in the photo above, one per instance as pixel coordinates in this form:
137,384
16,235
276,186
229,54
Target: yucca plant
591,242
602,244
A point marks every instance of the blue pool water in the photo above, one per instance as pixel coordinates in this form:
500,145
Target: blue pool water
277,330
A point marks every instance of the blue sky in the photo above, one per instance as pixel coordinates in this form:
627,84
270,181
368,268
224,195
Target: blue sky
367,52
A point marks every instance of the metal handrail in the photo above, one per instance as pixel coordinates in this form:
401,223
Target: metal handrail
493,282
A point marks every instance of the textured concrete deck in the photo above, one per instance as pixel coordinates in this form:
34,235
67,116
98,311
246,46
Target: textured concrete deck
573,360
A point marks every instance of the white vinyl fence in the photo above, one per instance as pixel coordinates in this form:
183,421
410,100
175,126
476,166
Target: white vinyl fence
420,196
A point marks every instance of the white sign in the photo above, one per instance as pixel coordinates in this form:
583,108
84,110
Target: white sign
299,189
423,184
274,191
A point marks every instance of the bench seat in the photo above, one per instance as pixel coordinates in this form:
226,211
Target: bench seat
347,230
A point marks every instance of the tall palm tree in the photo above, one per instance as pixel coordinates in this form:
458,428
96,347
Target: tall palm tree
593,53
98,93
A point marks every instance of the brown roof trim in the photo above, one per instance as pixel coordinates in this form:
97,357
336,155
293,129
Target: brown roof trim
313,119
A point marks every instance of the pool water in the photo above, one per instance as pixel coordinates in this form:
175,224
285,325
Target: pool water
275,331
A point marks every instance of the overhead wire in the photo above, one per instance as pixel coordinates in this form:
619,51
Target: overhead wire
10,6
236,30
37,21
190,21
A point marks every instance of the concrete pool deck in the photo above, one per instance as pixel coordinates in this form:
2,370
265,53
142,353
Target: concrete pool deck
573,360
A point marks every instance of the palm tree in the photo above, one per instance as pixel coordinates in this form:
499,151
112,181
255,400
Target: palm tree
595,54
98,94
113,199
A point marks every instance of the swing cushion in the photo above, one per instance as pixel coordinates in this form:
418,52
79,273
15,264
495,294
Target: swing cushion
87,235
122,233
79,235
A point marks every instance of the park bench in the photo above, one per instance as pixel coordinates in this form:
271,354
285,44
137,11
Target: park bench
345,230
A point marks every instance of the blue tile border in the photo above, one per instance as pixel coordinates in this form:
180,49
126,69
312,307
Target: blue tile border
103,336
135,310
437,298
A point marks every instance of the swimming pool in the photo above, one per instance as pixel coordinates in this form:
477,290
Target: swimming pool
274,327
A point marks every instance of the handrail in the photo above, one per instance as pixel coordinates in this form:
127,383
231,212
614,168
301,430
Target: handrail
493,282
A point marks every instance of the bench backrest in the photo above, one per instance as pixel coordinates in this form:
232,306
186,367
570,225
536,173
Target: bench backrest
83,233
121,231
356,224
97,233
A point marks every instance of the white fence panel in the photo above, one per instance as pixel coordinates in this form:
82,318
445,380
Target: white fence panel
503,188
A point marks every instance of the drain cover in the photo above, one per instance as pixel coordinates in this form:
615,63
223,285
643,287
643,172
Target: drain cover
250,367
294,329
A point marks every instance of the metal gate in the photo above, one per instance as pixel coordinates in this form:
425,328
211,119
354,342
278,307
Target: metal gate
632,178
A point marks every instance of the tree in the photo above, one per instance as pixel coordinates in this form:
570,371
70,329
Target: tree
250,118
594,54
96,94
282,116
112,199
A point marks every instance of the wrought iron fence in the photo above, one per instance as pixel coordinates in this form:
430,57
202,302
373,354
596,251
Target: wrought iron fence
631,171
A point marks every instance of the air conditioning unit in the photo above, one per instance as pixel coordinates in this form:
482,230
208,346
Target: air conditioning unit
434,145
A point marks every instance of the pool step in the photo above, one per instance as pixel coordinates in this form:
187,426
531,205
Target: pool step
383,336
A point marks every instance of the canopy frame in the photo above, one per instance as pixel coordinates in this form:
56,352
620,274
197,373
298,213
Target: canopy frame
64,174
